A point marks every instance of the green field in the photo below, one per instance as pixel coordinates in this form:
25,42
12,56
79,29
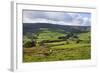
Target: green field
49,45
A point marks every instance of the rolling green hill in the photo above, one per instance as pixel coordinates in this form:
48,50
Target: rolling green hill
51,42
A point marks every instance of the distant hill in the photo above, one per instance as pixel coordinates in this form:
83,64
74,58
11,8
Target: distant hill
35,27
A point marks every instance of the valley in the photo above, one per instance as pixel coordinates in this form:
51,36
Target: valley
53,42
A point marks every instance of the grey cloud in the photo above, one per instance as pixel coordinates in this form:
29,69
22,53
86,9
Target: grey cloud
69,17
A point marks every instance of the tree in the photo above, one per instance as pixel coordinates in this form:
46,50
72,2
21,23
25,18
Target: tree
62,37
75,36
28,43
32,37
78,41
69,35
67,42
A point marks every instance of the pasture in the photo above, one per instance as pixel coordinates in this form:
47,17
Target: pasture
56,46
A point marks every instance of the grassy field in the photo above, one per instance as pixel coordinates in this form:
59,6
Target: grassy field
56,53
55,49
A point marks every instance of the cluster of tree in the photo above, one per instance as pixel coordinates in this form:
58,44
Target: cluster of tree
50,41
73,37
29,43
69,35
34,42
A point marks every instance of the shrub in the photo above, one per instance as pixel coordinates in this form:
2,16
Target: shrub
50,41
78,41
28,44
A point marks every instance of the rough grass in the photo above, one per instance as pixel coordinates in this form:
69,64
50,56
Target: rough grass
64,52
84,36
57,51
49,35
70,46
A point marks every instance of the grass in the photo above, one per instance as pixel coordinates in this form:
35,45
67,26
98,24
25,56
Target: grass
84,36
56,51
55,43
49,35
70,46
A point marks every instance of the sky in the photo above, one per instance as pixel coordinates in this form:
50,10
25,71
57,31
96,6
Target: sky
60,18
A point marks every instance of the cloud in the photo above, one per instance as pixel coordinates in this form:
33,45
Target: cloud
87,21
58,16
61,18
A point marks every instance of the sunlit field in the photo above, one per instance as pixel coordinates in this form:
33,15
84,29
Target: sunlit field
54,46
